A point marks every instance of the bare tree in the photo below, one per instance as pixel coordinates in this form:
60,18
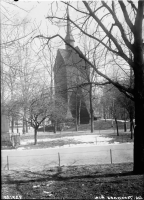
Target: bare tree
39,109
12,34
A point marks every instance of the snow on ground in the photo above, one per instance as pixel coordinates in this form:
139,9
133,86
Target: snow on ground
117,120
83,138
20,148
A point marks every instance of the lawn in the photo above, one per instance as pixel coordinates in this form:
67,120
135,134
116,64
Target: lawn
74,182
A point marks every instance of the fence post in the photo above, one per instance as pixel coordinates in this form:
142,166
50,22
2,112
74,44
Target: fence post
111,155
7,163
59,159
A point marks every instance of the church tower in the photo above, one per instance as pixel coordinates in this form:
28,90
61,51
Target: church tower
69,72
69,37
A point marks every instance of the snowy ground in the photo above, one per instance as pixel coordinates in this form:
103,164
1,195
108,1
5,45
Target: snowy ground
117,120
85,139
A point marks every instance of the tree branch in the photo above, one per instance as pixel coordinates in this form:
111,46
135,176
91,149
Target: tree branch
133,5
127,19
120,51
117,22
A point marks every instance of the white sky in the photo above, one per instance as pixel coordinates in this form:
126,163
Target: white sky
38,11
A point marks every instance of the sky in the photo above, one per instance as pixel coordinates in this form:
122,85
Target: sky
36,12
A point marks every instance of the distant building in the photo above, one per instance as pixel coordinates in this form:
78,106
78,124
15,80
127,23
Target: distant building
70,72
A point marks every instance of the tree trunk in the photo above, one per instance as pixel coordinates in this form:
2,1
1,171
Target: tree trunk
92,121
104,113
26,127
55,127
125,127
139,138
35,135
25,130
91,110
139,102
23,125
17,127
79,109
139,92
44,126
131,128
76,122
117,127
131,116
12,125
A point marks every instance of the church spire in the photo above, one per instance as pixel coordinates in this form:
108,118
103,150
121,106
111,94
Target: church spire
69,38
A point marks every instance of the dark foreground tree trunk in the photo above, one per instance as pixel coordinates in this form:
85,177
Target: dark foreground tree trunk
35,135
139,137
139,91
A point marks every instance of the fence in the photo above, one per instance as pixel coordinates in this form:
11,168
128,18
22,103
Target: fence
44,161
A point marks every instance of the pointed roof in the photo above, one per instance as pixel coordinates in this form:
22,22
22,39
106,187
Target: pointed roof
69,37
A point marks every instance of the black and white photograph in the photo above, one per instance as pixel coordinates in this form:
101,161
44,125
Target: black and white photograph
72,99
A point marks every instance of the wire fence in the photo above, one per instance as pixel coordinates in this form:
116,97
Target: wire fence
44,161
